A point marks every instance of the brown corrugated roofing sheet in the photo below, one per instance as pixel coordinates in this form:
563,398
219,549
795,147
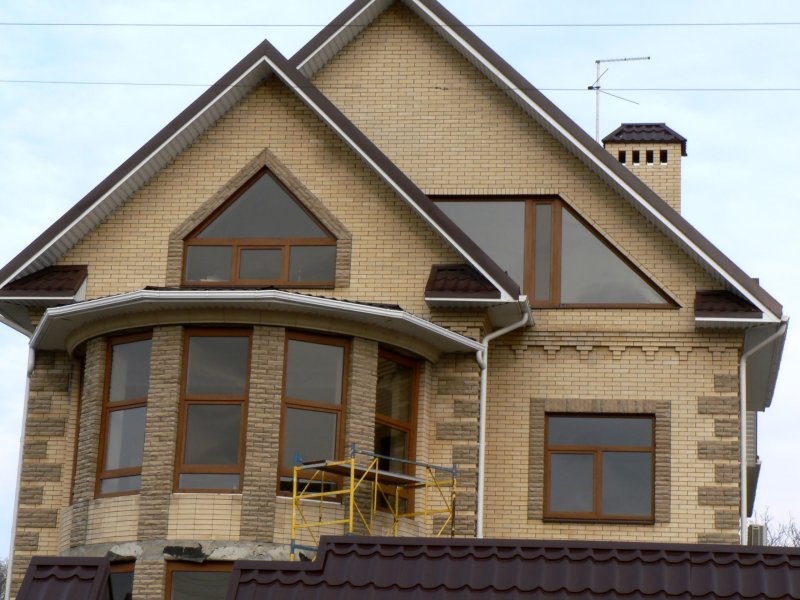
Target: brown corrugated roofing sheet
65,578
52,281
448,281
369,567
646,132
722,303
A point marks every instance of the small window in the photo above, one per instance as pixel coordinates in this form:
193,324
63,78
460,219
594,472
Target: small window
664,156
124,415
121,581
261,236
208,581
635,157
312,416
395,414
623,156
649,157
599,468
216,366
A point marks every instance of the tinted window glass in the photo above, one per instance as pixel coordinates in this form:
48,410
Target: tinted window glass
395,390
627,483
309,433
120,485
571,483
195,585
130,371
217,365
208,481
208,263
312,263
314,372
592,274
212,434
543,252
264,210
121,586
498,228
125,438
600,431
391,442
261,263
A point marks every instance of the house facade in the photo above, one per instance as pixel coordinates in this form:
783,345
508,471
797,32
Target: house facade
390,240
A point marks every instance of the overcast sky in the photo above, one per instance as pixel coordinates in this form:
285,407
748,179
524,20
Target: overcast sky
740,182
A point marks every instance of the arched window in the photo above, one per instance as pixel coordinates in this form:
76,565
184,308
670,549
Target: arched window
261,236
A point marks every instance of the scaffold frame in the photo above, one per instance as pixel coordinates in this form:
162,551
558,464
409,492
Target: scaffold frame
387,490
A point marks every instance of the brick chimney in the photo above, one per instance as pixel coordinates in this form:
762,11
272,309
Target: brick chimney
652,151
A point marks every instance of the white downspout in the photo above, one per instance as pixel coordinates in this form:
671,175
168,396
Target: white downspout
482,356
743,428
9,572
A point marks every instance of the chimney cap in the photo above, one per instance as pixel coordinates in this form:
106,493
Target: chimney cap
646,132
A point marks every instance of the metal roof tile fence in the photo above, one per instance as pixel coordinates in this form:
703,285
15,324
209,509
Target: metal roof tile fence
368,567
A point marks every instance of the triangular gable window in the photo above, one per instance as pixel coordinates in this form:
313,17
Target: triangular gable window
261,236
556,257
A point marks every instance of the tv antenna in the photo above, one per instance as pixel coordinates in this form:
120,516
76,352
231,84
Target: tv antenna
596,87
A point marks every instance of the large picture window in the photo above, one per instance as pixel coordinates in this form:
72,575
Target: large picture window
208,581
261,236
216,367
555,256
124,415
314,389
599,467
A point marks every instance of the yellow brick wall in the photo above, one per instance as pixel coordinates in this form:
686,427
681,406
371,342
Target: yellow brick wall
665,179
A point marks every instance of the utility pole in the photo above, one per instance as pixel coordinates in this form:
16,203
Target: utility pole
596,87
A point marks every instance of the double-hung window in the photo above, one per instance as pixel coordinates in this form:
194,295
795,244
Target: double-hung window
599,467
314,389
124,415
216,367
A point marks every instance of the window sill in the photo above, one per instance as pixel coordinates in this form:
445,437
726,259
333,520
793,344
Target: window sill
599,521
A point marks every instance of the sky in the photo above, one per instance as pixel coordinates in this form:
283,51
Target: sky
722,87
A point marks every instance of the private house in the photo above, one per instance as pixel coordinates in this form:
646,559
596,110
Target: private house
391,240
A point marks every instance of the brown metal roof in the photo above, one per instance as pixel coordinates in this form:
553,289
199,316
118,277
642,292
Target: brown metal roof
449,281
52,281
522,88
66,578
722,303
370,567
646,132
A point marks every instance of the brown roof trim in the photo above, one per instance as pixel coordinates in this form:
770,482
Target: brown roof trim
458,281
381,567
523,87
76,578
303,88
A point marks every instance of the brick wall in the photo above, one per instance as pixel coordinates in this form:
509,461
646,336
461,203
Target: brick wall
664,178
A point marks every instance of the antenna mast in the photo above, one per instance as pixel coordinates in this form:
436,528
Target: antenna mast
596,87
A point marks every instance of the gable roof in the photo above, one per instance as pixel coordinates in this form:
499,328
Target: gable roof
374,567
199,116
358,15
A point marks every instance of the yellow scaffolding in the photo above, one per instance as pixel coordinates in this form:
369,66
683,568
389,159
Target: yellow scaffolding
390,492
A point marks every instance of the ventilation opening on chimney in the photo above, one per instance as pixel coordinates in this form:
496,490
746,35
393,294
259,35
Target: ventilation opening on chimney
623,157
635,157
664,157
648,155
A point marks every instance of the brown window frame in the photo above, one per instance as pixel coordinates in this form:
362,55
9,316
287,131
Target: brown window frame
187,567
410,427
186,401
529,257
340,410
107,409
119,568
237,245
596,515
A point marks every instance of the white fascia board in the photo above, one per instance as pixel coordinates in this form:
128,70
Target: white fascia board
511,88
126,178
504,296
733,322
192,297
